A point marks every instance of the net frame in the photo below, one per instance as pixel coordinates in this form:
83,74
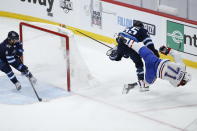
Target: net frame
66,37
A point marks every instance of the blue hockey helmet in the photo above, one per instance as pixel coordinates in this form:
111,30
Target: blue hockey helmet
12,35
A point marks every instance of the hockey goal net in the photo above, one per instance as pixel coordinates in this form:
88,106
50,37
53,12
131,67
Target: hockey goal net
49,51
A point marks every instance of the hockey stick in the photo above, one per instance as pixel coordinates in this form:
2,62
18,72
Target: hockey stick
94,39
108,52
32,85
64,26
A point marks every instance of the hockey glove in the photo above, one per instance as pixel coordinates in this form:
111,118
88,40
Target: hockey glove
113,54
29,75
121,39
164,50
126,56
23,68
111,51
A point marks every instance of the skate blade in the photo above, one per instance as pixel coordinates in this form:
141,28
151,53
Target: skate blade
144,89
126,89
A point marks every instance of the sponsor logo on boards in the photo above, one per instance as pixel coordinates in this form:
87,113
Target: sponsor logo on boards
178,37
66,5
126,22
47,3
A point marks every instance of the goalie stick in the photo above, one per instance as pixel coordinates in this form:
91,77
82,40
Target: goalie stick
32,85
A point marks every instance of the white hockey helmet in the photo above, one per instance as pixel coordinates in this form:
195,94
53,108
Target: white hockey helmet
186,79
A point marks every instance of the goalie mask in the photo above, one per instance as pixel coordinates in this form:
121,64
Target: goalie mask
185,80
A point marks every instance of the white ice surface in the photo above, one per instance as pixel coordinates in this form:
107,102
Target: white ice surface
99,108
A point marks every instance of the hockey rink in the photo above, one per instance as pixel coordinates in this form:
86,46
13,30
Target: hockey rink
96,105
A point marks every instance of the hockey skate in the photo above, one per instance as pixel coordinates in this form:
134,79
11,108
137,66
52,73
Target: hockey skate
144,89
18,85
128,87
143,86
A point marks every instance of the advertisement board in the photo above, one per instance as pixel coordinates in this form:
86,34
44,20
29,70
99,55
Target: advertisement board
54,10
182,38
106,19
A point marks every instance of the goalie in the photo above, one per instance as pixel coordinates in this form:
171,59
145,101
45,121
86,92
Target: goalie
11,51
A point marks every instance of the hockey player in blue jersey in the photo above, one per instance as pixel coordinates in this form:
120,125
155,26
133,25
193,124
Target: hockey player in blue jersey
139,34
11,51
174,72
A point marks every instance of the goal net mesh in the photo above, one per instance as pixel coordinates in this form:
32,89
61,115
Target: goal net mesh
46,56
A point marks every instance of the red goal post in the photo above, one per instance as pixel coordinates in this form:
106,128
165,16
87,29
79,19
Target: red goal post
22,24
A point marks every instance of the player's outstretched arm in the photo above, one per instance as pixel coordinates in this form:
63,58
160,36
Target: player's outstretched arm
177,57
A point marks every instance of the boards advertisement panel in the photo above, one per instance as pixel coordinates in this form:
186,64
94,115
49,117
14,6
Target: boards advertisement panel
107,19
182,37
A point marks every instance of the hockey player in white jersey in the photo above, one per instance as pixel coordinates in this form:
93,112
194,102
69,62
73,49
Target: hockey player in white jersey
174,72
